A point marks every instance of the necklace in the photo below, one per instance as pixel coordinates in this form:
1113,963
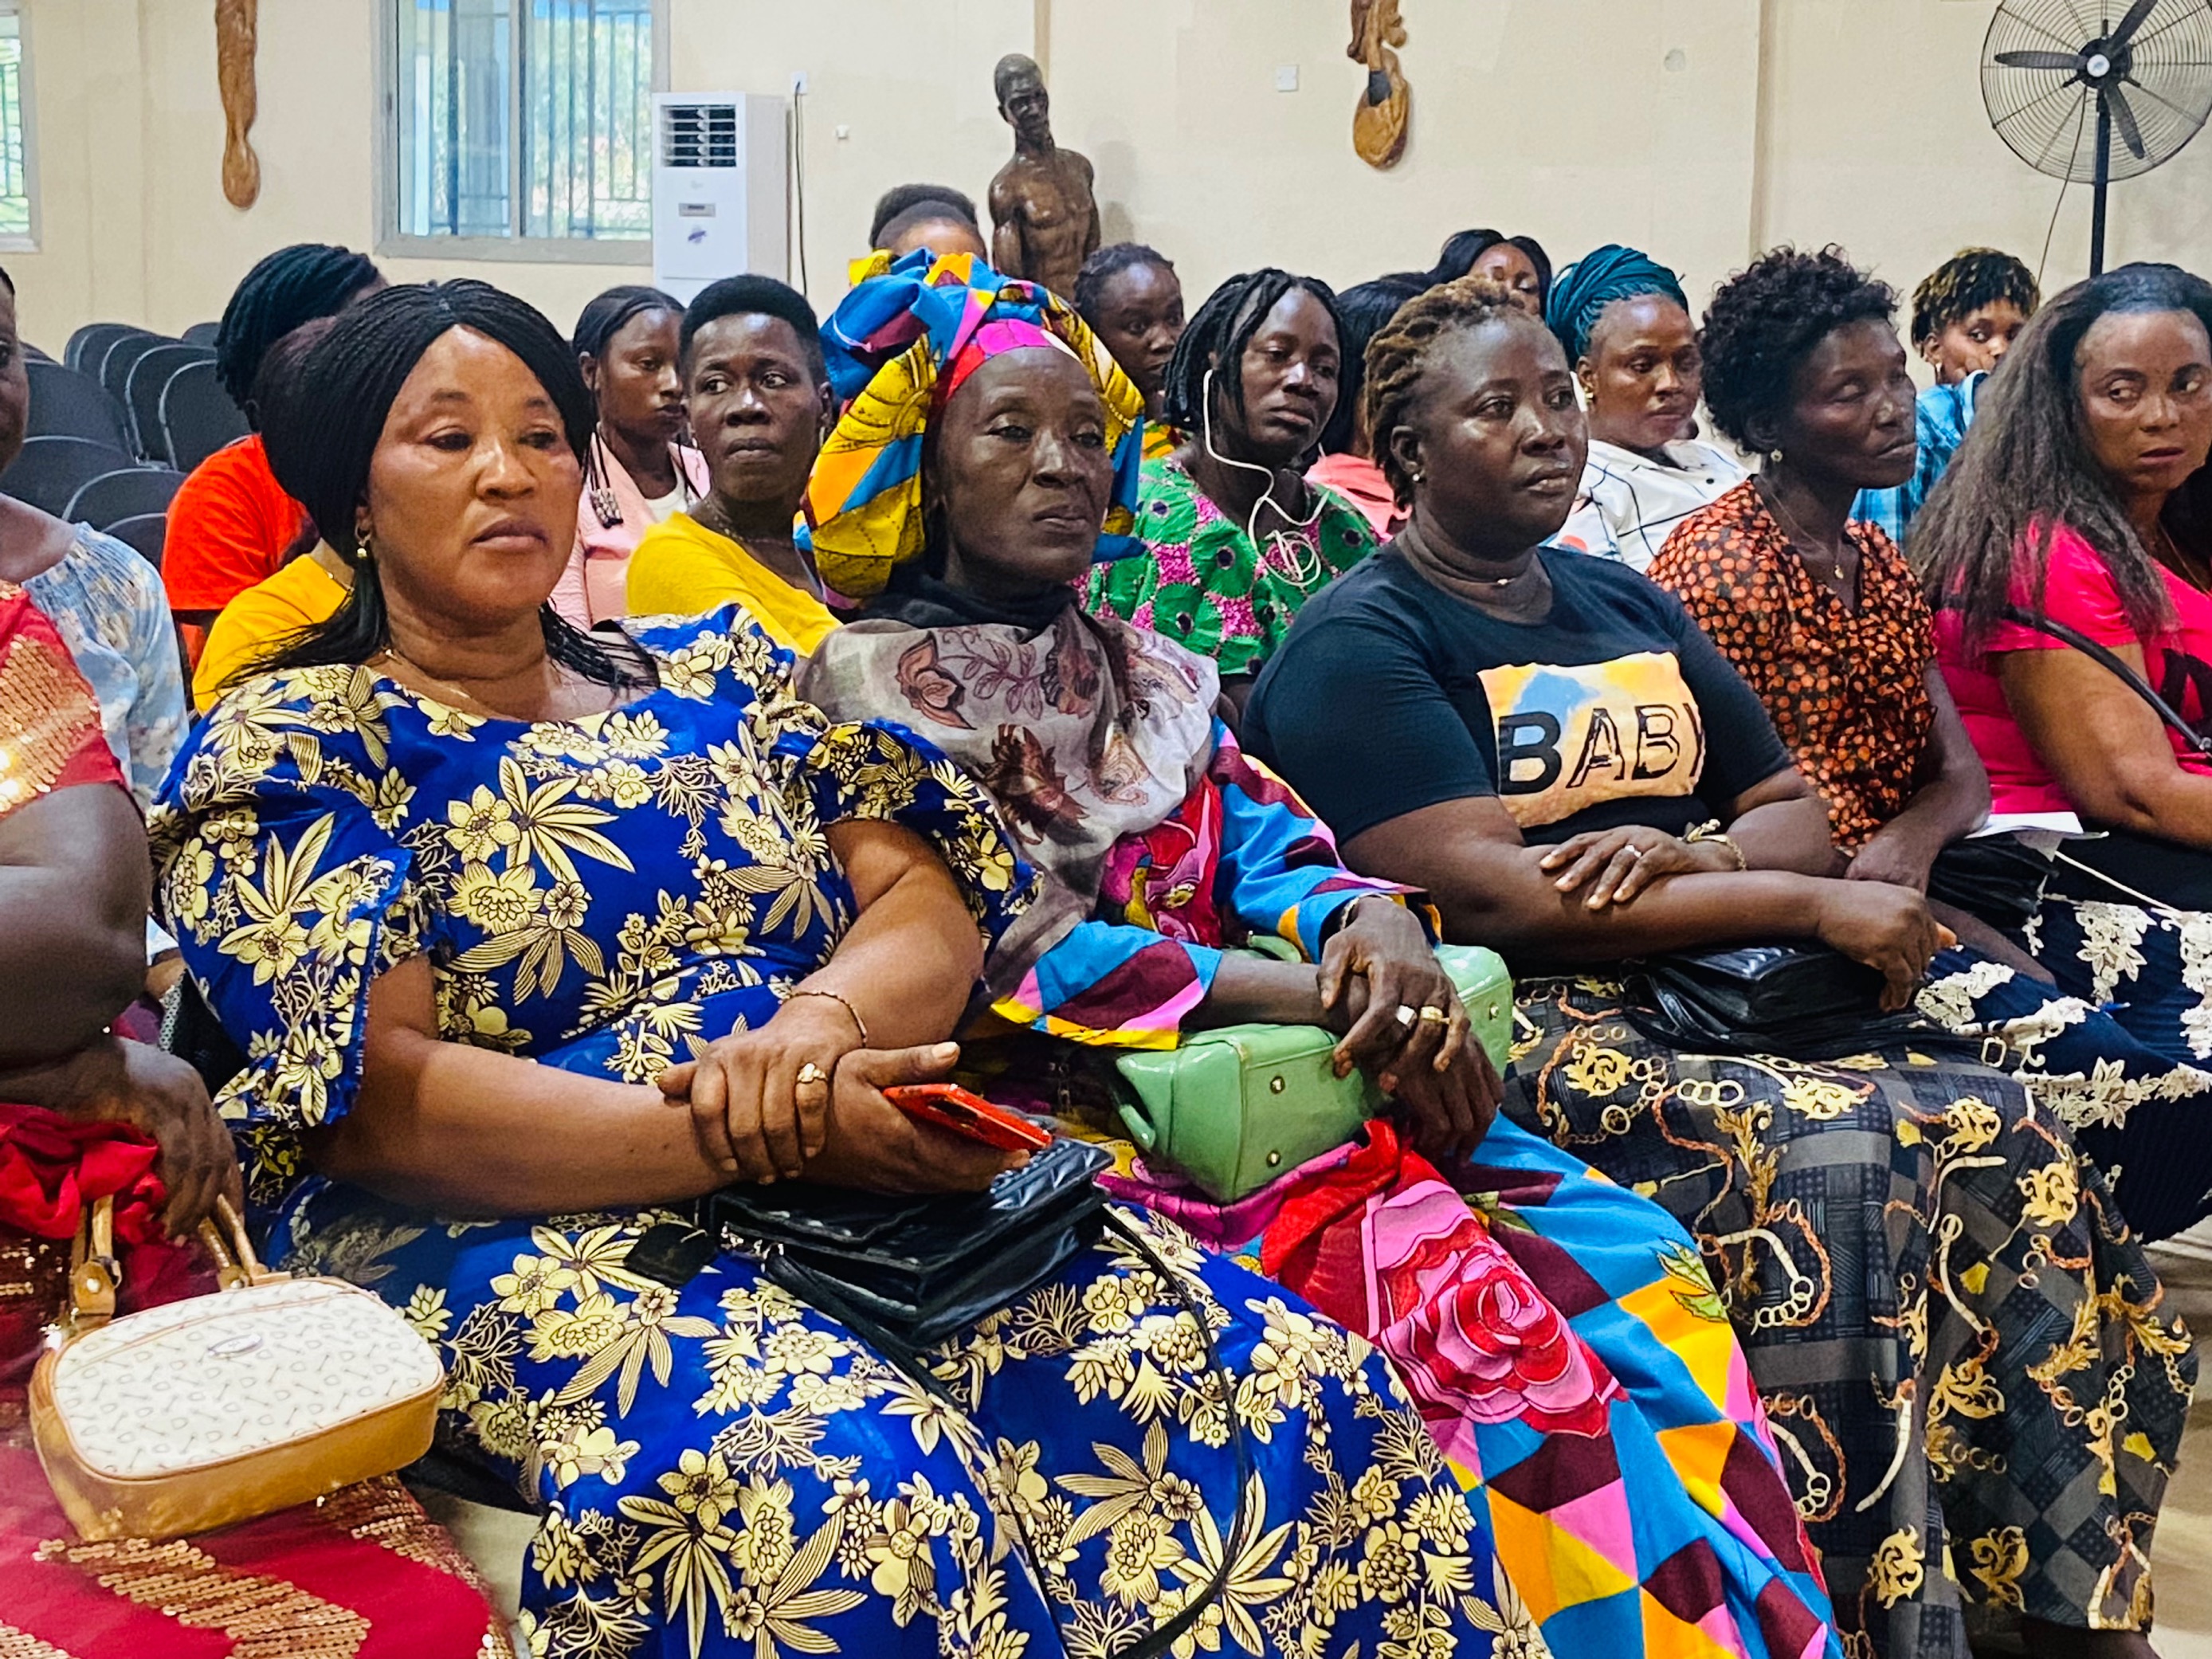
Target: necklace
708,512
2181,562
1422,541
1830,568
394,655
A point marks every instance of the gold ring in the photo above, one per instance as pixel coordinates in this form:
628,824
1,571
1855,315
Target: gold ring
1432,1015
809,1072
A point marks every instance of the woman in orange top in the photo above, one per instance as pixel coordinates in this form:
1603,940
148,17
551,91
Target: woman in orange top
230,525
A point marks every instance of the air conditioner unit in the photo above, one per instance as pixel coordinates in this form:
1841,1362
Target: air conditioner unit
719,189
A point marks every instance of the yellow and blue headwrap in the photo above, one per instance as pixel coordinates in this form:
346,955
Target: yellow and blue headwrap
897,348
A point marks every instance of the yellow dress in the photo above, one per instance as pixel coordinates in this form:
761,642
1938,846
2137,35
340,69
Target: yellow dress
300,595
682,569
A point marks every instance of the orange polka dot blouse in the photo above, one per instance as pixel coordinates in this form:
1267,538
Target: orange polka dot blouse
1847,690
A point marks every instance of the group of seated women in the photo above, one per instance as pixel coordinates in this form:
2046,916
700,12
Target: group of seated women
726,715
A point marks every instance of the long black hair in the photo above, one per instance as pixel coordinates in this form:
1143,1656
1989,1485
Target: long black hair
321,451
1216,337
292,286
2025,468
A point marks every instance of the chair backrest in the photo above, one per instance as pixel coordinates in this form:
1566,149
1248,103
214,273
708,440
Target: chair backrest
203,334
124,493
50,471
115,367
150,378
67,404
143,531
198,417
89,344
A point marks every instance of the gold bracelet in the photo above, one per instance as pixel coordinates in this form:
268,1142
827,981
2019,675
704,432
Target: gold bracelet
842,1001
1710,832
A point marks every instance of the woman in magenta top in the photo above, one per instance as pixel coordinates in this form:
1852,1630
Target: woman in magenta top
2080,498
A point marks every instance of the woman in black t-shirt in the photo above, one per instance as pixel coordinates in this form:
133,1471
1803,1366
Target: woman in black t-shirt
1546,744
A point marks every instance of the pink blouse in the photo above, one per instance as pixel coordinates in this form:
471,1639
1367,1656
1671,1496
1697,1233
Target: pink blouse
2080,592
592,589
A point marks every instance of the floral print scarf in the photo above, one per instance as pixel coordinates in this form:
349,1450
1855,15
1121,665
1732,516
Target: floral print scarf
1084,729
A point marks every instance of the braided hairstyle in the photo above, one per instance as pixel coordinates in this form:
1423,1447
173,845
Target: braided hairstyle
1104,266
1766,319
607,314
2025,468
1400,354
1964,283
1362,313
321,450
291,286
1215,339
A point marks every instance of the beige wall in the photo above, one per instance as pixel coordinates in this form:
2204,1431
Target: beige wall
1699,129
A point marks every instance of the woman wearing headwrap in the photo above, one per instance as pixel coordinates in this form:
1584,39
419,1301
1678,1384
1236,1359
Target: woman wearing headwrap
1550,1335
640,469
1626,324
230,524
534,937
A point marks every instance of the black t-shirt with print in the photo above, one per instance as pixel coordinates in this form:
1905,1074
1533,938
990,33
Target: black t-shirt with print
1390,695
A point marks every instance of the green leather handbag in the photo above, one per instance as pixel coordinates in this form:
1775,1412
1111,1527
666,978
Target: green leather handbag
1236,1107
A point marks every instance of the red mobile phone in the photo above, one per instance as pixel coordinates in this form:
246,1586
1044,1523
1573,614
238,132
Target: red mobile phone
949,1106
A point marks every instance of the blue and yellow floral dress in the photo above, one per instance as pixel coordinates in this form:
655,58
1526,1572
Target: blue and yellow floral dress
722,1468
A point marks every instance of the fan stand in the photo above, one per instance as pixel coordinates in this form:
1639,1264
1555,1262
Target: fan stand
2101,187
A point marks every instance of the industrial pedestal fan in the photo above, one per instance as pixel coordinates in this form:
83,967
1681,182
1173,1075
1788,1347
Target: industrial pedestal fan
2064,79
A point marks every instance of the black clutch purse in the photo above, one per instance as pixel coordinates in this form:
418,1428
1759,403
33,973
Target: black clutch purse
911,1272
1801,1001
1998,878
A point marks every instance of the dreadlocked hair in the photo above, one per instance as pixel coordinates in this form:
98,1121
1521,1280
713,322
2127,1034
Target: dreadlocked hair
292,286
1964,283
321,450
1215,339
1766,319
2026,468
1104,266
1398,355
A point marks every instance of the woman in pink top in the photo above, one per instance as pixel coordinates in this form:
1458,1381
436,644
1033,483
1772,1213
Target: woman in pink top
2080,498
642,468
1347,459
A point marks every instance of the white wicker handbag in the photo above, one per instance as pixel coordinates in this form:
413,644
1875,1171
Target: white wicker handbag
266,1393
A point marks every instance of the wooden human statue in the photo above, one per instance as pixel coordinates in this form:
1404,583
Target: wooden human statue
1044,218
1378,125
236,28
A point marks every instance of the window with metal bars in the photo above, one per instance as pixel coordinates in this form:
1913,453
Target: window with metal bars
16,228
524,125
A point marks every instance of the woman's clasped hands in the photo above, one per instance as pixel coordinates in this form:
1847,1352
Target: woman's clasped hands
1401,1021
801,1095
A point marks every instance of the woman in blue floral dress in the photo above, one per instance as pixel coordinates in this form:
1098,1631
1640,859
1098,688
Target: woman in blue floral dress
530,938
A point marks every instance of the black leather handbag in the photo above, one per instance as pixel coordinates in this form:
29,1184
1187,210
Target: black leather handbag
1801,1001
915,1271
906,1273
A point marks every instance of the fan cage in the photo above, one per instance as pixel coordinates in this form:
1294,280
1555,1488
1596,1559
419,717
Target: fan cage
2049,117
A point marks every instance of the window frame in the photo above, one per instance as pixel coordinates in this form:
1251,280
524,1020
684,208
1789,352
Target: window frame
392,242
26,80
